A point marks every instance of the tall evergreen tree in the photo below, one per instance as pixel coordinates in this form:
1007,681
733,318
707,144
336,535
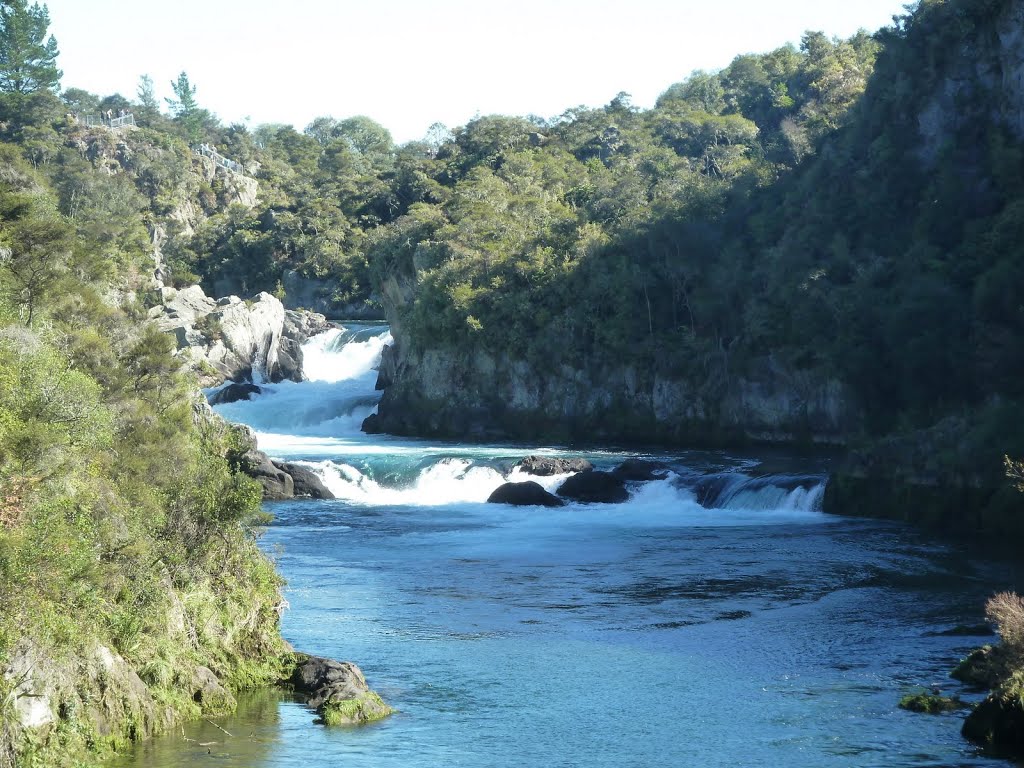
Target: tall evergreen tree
27,57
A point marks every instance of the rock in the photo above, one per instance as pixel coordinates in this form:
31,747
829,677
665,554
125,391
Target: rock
276,483
639,470
234,392
234,339
545,466
932,703
371,425
388,368
998,724
209,694
301,325
984,667
528,494
338,691
594,486
305,482
289,361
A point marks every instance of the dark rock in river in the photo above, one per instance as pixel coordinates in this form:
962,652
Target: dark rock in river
548,465
528,494
639,470
594,486
232,393
277,484
305,481
337,690
998,724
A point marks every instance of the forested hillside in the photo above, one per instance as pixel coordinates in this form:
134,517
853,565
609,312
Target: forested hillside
815,244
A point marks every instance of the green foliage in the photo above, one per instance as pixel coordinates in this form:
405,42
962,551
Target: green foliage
27,56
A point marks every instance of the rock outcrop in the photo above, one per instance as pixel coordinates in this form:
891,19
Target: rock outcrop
305,482
526,494
232,339
337,690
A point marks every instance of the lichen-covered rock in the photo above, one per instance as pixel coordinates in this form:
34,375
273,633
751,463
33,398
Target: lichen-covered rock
998,723
984,667
527,494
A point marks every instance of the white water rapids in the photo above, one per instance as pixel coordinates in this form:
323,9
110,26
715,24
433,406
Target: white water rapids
316,423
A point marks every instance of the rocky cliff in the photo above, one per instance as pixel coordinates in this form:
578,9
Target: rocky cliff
472,393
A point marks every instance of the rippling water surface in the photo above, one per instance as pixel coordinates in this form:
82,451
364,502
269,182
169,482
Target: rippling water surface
718,618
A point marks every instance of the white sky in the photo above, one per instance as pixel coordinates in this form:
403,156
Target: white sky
409,63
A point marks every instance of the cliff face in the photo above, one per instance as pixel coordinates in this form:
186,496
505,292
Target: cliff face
981,81
448,392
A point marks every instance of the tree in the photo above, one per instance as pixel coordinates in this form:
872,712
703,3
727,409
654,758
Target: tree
27,57
186,109
34,249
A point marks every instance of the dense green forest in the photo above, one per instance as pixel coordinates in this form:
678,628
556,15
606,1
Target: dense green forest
821,204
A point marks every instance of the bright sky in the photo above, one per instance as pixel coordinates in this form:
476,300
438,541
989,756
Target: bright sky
410,63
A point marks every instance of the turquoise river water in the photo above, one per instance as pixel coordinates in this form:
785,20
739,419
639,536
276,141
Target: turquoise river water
717,618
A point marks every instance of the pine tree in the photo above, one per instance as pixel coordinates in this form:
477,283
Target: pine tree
27,56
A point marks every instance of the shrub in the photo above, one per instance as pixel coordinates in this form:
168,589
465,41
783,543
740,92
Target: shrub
1006,611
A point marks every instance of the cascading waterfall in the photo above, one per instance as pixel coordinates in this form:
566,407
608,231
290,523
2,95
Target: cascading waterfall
316,423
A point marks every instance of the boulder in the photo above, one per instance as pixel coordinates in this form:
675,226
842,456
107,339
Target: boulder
338,691
528,494
594,486
640,470
305,482
234,392
209,694
997,723
371,424
277,484
549,465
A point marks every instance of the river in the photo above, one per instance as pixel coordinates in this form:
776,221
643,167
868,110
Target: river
717,618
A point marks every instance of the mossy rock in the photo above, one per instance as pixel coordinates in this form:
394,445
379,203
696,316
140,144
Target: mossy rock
932,703
984,667
365,708
998,724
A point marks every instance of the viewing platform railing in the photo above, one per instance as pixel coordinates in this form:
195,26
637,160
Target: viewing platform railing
207,151
113,122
